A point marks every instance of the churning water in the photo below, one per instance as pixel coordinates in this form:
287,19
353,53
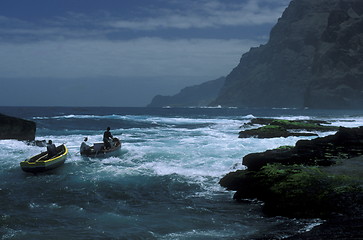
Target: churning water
163,185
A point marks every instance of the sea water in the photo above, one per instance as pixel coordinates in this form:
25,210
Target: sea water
163,185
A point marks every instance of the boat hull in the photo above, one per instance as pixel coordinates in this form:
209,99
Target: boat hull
103,153
40,163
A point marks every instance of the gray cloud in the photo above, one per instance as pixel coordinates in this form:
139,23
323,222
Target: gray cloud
142,57
76,47
207,14
184,15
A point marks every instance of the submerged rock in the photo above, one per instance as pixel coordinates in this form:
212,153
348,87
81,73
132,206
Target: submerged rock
336,228
38,143
16,128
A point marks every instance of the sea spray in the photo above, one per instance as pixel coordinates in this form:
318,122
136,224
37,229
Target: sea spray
163,185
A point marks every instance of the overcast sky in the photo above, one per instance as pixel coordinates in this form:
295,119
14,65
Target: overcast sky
122,52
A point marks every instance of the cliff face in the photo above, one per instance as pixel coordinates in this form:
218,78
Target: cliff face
199,95
16,128
313,59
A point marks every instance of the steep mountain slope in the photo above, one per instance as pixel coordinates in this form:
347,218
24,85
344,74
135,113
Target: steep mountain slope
314,58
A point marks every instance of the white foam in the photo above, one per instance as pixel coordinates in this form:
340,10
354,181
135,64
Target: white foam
200,234
200,154
74,116
348,122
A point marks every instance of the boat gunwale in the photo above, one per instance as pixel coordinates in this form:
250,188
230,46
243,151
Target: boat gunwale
40,161
104,152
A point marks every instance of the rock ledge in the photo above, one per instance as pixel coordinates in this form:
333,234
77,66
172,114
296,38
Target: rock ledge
16,128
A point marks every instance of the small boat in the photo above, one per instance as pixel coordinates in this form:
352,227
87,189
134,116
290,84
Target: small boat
98,150
42,163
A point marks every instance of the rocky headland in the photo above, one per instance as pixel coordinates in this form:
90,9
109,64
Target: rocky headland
318,178
195,96
16,128
312,59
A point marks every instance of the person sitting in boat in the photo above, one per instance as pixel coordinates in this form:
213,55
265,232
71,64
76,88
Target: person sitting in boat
107,138
84,146
51,149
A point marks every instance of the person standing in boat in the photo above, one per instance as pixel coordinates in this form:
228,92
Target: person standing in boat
51,149
107,138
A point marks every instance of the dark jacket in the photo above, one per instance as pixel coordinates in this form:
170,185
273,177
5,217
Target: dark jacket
107,135
52,150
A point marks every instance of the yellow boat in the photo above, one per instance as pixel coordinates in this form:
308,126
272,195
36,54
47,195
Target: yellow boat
41,163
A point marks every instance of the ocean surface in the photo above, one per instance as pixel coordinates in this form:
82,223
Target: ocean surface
163,185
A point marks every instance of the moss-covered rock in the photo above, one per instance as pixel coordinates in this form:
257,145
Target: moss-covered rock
346,143
284,128
308,125
286,147
314,178
296,190
272,131
300,191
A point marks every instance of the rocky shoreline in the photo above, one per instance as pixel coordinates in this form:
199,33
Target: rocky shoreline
16,128
318,178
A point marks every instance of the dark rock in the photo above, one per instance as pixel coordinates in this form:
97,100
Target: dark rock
16,128
308,125
271,131
337,228
312,59
297,191
316,178
319,178
346,143
267,121
259,121
281,128
38,143
195,96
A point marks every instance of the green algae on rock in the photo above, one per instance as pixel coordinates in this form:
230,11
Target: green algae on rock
296,190
311,179
285,128
323,151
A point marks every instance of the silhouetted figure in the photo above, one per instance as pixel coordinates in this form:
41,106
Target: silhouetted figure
84,146
51,149
107,138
